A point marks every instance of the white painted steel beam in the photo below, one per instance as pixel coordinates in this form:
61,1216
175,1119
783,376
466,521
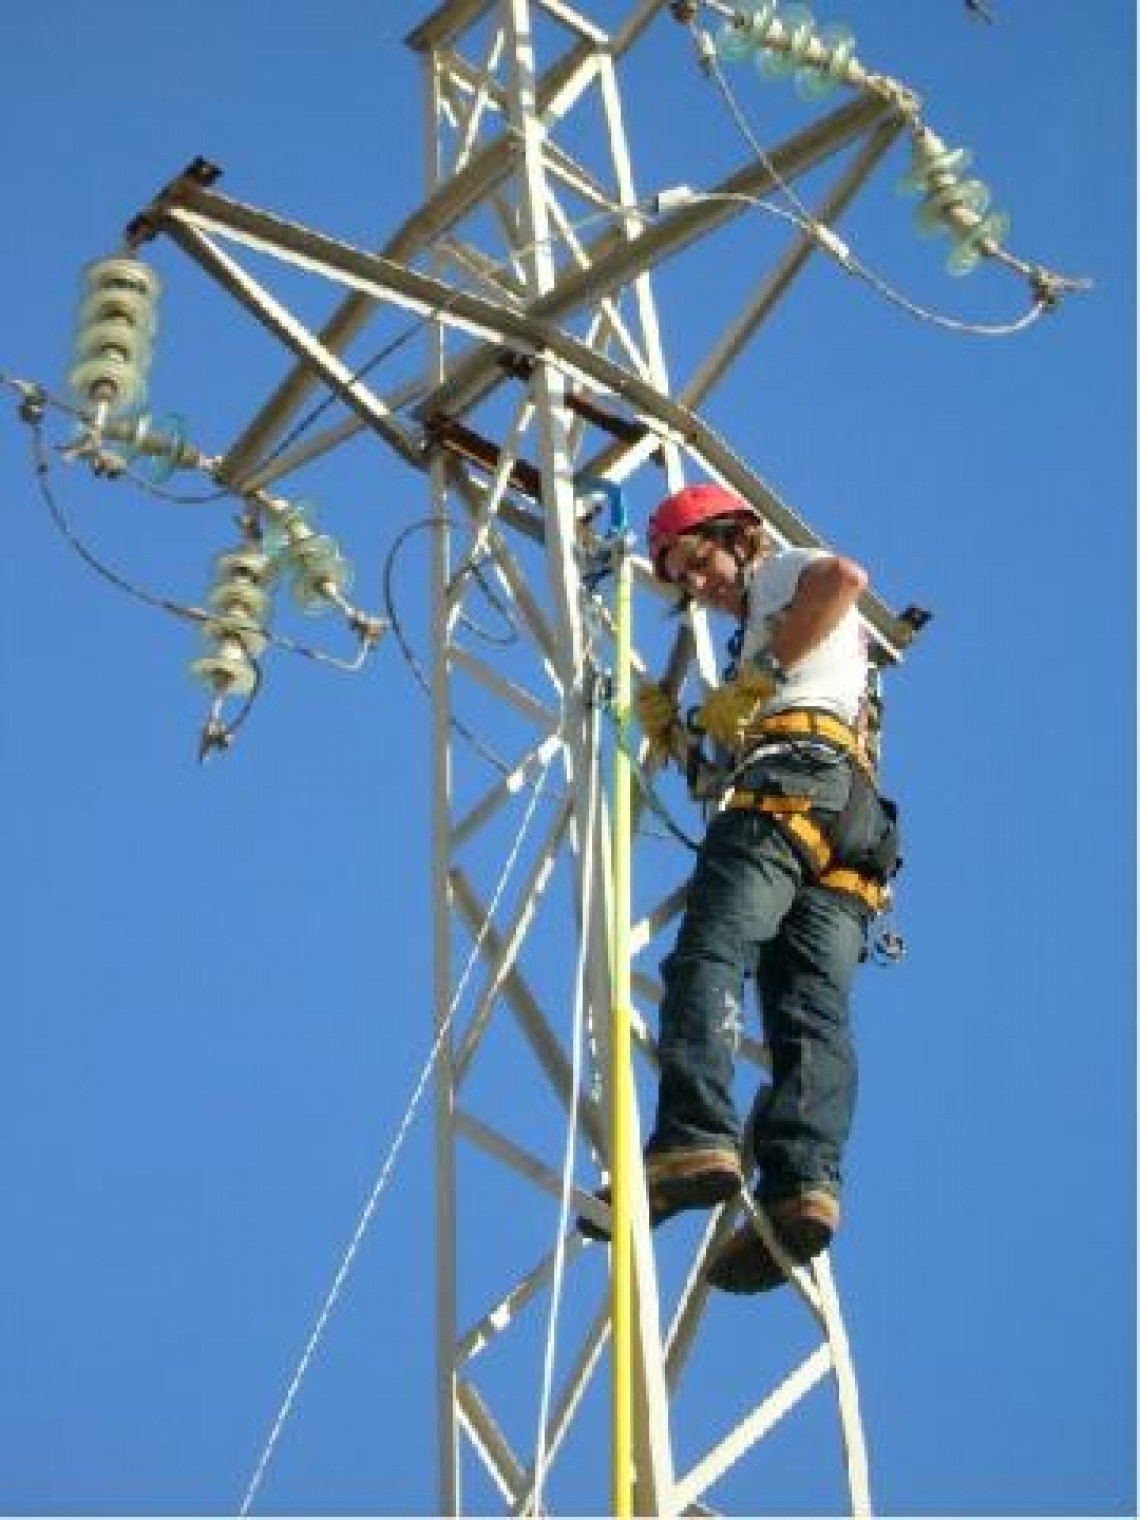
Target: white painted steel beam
670,234
846,1389
510,691
420,293
446,22
502,961
502,791
523,597
766,1415
498,1319
692,1300
490,1442
648,927
499,1147
575,21
570,1396
779,283
337,375
535,1028
450,199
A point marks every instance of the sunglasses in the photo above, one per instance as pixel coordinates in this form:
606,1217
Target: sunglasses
686,555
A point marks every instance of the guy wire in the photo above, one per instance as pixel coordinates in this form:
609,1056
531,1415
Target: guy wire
389,1162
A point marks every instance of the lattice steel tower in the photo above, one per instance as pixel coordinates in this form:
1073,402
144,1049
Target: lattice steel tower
546,390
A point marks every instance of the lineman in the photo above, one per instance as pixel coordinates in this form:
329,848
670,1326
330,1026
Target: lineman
787,878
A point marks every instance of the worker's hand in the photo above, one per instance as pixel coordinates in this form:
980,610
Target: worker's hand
726,712
658,716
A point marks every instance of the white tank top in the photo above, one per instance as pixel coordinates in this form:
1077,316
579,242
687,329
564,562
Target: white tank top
833,676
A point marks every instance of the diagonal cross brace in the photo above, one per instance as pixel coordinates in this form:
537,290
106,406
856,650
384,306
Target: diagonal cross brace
205,211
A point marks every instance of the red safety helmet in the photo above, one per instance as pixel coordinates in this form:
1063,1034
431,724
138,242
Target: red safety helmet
692,507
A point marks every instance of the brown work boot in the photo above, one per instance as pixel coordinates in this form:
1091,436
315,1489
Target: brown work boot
687,1177
804,1224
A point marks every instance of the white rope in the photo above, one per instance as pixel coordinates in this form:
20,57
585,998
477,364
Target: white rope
389,1160
557,1277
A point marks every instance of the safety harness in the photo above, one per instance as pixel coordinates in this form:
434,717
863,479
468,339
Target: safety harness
815,841
806,723
861,871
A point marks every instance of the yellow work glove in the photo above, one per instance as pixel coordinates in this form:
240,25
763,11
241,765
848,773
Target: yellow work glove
658,715
726,712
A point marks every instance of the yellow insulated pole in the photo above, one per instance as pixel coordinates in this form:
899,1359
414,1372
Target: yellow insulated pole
621,1066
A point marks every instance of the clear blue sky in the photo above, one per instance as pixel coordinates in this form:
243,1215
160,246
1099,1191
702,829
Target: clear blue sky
215,982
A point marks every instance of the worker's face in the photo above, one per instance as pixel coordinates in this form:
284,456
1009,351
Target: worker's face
705,569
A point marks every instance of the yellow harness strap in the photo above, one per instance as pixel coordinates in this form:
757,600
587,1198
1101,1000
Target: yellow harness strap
791,814
808,724
761,802
873,893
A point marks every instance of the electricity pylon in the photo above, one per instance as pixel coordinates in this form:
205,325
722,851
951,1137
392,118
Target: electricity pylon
528,266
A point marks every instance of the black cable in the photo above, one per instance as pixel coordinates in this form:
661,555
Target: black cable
305,423
178,498
34,398
644,782
806,220
649,792
41,464
411,660
474,569
405,336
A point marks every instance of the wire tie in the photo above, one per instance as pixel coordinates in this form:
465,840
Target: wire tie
34,403
833,243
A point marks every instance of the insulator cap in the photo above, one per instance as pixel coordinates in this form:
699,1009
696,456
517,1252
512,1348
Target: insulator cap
116,330
233,627
131,305
227,674
114,335
123,273
253,564
966,253
243,598
312,583
107,378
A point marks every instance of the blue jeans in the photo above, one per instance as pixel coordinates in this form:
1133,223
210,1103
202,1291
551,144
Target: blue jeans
752,908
